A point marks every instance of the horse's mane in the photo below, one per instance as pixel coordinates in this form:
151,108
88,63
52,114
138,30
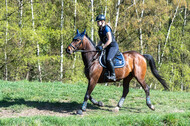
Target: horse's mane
91,40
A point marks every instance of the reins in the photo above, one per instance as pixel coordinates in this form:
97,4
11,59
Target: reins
86,51
92,60
94,57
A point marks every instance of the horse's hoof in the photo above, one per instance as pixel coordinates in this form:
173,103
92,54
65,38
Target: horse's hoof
120,103
116,109
151,107
79,112
101,104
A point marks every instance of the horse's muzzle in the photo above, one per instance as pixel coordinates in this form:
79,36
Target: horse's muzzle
69,51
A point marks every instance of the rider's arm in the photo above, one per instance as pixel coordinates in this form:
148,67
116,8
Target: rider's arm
108,34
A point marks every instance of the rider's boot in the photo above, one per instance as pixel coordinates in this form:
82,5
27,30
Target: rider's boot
111,68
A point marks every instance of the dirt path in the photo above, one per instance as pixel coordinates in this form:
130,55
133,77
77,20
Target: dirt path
33,112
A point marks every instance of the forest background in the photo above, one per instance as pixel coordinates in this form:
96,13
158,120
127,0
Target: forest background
35,33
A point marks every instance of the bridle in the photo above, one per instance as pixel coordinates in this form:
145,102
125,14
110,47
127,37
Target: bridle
84,51
78,45
75,48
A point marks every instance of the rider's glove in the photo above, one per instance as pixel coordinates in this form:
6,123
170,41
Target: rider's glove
99,48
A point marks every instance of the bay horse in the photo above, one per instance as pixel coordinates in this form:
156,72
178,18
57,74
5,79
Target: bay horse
135,67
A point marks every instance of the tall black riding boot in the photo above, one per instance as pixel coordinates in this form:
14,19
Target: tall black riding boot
111,68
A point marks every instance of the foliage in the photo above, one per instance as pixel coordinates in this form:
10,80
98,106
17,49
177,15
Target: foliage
21,46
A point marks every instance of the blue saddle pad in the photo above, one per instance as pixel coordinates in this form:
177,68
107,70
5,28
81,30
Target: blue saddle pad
118,61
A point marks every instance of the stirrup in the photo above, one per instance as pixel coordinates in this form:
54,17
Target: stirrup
112,77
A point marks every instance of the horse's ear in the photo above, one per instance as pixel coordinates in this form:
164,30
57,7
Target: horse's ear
83,33
77,31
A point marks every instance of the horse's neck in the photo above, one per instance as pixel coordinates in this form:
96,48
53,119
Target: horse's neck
88,56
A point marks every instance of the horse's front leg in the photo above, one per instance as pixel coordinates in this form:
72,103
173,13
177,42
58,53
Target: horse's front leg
94,75
90,88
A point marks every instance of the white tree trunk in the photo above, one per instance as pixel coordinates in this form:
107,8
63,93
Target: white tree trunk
92,29
140,30
168,34
184,23
158,55
38,48
61,68
185,20
141,41
117,16
20,22
75,14
6,39
105,9
134,2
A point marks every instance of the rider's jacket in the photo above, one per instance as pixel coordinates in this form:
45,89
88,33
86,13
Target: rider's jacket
102,34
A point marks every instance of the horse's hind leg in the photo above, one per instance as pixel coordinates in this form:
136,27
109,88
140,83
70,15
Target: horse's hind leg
146,89
125,90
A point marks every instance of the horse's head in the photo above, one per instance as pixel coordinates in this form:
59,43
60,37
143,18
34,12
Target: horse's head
77,42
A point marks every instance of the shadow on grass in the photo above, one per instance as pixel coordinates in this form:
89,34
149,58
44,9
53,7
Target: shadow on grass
61,107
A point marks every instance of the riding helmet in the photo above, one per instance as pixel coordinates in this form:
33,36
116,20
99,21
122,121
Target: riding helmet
100,17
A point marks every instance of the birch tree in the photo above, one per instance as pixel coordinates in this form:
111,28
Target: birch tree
75,15
105,9
61,68
168,33
92,28
38,48
6,39
158,52
20,21
184,24
140,30
117,16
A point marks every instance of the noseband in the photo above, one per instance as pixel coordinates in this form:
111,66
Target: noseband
75,48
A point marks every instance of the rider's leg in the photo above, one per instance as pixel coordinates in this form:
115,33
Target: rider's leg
111,52
111,68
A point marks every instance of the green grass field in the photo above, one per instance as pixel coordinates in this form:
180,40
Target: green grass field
32,103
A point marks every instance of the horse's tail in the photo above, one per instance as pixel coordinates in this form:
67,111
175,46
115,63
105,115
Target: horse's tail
150,59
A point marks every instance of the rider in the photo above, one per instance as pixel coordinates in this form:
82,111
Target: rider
110,44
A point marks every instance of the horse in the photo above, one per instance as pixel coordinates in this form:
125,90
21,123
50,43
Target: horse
135,67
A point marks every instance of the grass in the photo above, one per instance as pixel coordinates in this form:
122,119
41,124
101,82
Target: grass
60,101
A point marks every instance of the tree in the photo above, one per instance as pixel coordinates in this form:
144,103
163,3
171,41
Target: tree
156,27
20,22
38,48
61,68
117,16
6,40
92,29
75,15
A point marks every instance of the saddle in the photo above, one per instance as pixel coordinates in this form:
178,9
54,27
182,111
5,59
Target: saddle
118,60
